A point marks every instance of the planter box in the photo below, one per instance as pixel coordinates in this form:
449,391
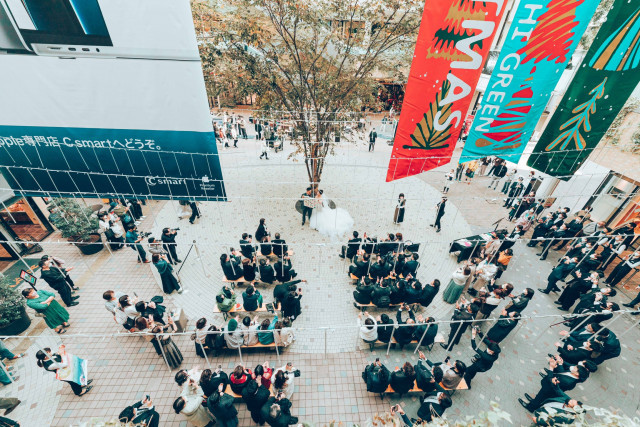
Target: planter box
93,246
18,326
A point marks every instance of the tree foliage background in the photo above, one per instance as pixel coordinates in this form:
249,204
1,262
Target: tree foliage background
315,61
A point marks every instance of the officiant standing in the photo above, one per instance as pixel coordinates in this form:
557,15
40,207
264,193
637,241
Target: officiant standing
398,216
308,203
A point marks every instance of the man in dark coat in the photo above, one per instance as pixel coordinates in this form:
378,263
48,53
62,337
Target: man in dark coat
352,247
220,404
575,289
429,291
483,359
411,267
281,290
425,330
541,229
385,328
573,355
360,266
503,326
56,278
519,303
279,246
555,237
610,346
427,379
169,244
277,412
377,377
433,405
565,266
440,208
255,397
231,267
514,191
267,272
246,247
404,332
465,316
284,270
373,135
362,294
557,411
380,269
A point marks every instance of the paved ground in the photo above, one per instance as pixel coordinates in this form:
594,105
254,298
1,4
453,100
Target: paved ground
327,349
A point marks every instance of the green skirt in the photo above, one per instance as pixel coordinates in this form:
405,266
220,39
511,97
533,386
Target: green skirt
55,315
452,292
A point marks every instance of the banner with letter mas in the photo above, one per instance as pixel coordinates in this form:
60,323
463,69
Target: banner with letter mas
105,98
543,36
453,42
602,85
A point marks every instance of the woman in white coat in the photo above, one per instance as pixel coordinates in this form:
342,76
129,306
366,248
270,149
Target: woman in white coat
189,404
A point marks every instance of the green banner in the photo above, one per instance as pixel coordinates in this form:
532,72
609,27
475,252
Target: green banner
604,82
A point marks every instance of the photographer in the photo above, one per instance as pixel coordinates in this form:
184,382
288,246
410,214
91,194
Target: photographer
283,382
133,240
141,413
169,244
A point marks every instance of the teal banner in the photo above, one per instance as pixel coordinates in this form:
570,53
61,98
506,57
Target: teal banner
543,36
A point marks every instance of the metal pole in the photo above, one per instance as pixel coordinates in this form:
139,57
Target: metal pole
124,353
421,338
325,340
200,258
204,352
240,353
278,352
391,338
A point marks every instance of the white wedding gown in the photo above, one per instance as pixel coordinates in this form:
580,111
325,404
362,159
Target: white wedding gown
333,223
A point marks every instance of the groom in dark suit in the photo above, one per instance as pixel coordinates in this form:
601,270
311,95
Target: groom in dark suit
307,205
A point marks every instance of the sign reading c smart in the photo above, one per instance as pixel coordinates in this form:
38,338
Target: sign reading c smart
107,98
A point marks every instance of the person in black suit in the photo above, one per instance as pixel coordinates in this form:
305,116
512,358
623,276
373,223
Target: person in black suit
148,309
553,386
284,270
557,411
565,267
380,269
280,247
140,413
610,346
412,290
465,315
425,327
429,291
556,236
440,207
364,289
405,330
575,288
574,228
262,231
267,272
281,290
427,379
503,326
231,267
373,135
352,247
255,396
360,266
482,360
266,248
377,377
246,247
573,355
381,295
220,404
541,230
169,244
411,267
402,379
519,303
277,411
433,405
514,191
56,279
307,204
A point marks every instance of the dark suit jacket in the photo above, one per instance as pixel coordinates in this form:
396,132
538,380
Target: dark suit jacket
267,273
501,329
428,293
410,267
246,248
352,247
428,411
280,247
361,268
283,270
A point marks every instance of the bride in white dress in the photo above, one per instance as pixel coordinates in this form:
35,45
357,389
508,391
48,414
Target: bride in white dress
333,223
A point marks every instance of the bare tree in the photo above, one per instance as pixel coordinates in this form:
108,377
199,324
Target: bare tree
315,60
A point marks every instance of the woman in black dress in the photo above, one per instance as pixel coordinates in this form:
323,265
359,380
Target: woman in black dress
398,216
169,281
262,230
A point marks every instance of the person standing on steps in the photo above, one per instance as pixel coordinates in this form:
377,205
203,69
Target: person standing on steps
373,135
439,214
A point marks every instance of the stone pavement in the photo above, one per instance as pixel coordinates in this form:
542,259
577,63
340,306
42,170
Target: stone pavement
327,349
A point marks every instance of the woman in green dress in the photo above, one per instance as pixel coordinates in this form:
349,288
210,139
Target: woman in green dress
44,302
169,281
456,285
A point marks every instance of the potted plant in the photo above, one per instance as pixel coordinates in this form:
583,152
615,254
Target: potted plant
77,223
13,316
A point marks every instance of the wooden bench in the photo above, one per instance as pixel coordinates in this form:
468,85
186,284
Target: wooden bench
439,338
238,308
364,307
242,281
461,386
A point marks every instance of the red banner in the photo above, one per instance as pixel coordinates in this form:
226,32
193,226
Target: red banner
453,42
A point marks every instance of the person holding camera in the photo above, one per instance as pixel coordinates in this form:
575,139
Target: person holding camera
169,244
141,413
283,382
482,361
133,240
